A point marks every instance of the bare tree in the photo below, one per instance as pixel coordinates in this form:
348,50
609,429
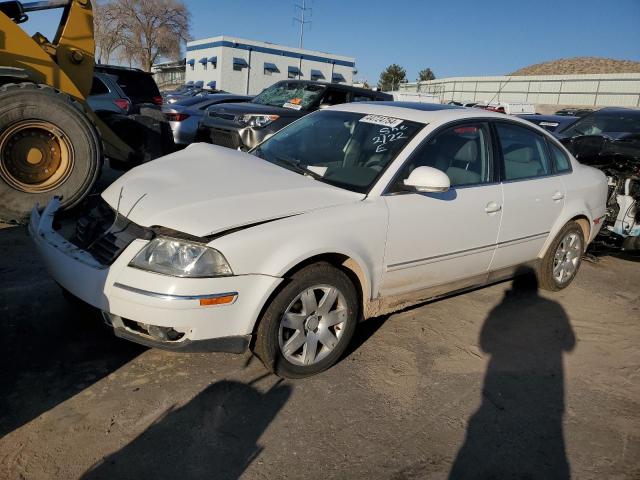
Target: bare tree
107,31
151,29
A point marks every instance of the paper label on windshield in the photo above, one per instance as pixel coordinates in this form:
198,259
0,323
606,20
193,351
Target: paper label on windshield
293,106
382,120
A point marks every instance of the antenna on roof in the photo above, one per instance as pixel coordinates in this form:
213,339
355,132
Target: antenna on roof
300,14
497,94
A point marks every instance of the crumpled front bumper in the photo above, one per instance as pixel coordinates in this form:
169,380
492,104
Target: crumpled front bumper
130,296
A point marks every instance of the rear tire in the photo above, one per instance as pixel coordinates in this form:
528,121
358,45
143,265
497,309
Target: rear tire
29,173
562,261
299,333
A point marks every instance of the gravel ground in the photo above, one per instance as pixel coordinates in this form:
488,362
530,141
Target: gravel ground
502,382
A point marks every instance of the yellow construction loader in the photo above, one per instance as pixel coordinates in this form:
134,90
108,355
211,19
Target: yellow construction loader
51,143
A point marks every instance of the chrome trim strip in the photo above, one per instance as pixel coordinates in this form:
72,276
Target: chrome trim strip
463,253
437,258
516,241
165,296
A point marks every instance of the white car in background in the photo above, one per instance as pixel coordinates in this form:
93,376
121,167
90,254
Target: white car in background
348,213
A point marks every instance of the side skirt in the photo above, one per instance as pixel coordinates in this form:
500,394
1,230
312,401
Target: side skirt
386,305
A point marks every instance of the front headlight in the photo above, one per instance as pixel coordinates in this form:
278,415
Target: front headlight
181,258
259,121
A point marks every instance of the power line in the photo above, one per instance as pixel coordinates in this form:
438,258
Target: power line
300,15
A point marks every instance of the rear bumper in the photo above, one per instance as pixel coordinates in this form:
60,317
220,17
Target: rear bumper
142,299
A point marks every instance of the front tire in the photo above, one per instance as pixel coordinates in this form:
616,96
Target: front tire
48,147
309,323
560,264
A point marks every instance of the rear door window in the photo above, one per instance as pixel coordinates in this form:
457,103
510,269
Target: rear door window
98,87
524,152
138,86
560,159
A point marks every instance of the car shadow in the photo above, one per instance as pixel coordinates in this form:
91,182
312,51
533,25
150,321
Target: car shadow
51,350
517,432
215,435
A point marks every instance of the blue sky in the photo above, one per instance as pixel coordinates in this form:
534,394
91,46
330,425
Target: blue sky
454,37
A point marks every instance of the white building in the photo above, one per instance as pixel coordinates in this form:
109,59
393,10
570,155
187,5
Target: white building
247,66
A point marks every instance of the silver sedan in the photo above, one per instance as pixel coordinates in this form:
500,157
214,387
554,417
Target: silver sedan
184,116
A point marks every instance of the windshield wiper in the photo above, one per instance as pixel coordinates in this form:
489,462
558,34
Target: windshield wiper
288,163
297,167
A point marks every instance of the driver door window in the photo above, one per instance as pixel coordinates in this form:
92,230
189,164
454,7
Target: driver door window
462,152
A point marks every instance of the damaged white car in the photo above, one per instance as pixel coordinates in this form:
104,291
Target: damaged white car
348,213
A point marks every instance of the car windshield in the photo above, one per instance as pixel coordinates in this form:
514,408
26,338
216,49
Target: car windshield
294,95
605,121
345,149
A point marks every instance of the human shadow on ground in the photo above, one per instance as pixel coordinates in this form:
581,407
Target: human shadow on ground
214,436
518,430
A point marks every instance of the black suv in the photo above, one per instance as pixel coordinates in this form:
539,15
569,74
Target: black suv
245,125
138,86
142,126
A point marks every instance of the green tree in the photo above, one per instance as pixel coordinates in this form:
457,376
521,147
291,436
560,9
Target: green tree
392,77
426,75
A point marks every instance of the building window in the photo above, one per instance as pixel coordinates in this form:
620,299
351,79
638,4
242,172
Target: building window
191,63
214,62
203,62
270,68
317,75
239,64
338,78
294,72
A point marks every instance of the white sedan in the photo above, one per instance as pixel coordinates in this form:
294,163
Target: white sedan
348,213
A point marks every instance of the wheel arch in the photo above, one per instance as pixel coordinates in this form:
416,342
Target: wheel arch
347,264
581,219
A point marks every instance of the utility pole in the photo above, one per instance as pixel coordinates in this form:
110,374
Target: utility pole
301,13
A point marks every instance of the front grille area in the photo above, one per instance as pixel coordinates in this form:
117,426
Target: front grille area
225,138
225,116
104,236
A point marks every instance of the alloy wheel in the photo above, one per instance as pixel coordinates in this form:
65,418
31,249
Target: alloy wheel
312,325
567,258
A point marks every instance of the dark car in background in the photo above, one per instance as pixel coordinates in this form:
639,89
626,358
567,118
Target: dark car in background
107,96
184,116
245,125
551,123
142,125
609,139
574,112
138,86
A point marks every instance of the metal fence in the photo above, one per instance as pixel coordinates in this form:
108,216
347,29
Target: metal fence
621,89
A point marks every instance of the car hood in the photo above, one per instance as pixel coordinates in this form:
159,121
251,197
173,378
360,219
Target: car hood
207,189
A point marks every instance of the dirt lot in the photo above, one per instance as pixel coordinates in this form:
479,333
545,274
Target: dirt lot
520,383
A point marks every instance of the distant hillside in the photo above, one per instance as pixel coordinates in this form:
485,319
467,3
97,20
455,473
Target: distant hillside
578,65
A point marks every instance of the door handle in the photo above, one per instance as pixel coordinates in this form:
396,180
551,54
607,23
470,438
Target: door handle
492,207
557,196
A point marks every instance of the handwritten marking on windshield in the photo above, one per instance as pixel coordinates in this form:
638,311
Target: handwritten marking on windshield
387,135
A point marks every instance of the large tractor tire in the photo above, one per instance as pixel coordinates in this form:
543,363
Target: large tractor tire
48,147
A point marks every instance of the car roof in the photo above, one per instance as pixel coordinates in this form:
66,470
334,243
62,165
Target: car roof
423,112
117,68
629,111
543,118
211,97
340,86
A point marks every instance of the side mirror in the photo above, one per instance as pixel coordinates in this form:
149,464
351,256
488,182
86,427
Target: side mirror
428,180
324,106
